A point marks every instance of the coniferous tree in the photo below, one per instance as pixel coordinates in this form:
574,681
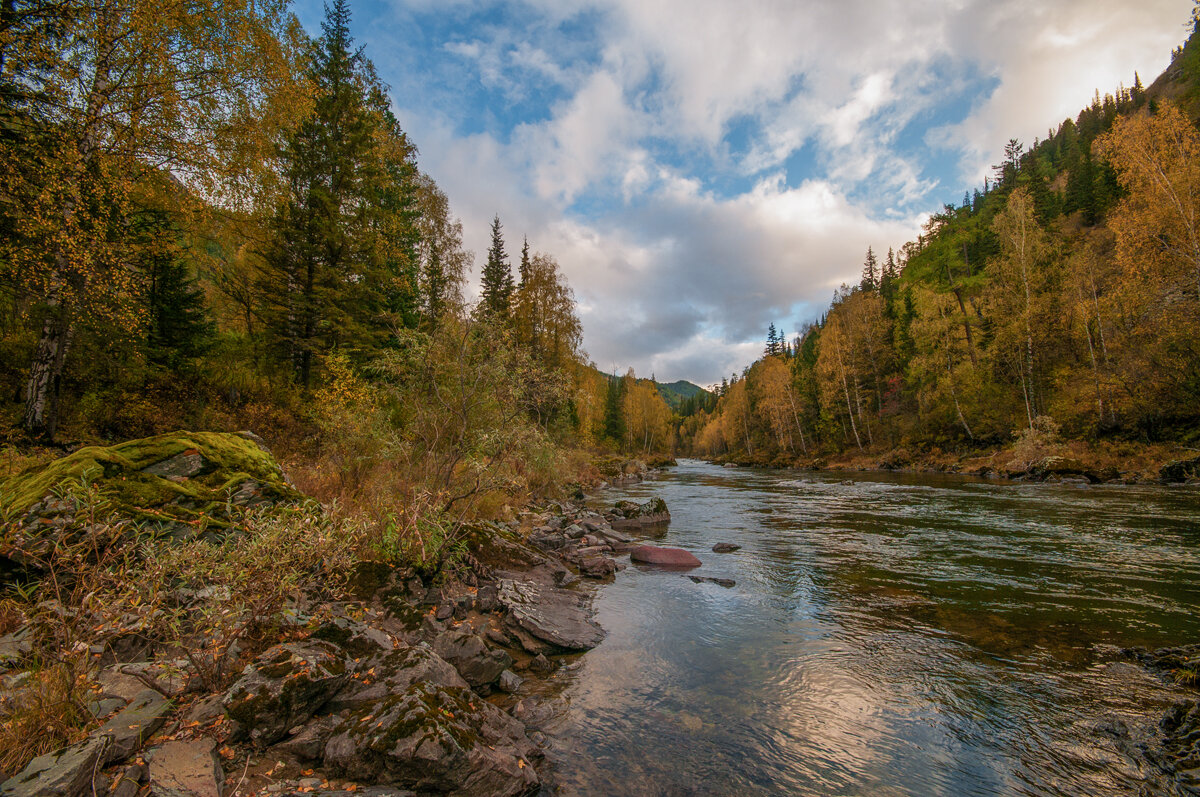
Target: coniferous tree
340,266
870,273
524,268
497,277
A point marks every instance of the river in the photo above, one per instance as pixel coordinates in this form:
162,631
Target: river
888,634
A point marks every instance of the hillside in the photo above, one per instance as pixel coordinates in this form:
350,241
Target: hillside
1057,307
675,393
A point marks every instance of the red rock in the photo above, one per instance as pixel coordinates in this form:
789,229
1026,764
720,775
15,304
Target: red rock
663,557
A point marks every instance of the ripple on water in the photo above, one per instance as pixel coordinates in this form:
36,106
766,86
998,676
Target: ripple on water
900,635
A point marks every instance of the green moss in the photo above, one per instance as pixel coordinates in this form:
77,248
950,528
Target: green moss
229,460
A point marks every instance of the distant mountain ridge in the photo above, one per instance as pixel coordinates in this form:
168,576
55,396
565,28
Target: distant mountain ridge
675,393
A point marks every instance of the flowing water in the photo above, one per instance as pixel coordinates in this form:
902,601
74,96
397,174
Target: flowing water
889,635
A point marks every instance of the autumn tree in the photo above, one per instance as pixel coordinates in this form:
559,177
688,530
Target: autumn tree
543,313
104,100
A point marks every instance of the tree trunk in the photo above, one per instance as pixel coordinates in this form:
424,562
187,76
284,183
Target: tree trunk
45,376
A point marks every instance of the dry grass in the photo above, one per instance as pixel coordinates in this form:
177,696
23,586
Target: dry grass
46,713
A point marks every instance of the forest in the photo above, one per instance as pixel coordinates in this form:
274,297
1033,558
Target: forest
1059,302
211,221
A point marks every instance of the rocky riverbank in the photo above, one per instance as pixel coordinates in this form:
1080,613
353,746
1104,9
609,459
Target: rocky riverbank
402,682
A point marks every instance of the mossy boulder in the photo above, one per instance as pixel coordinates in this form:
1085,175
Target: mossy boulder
181,478
285,686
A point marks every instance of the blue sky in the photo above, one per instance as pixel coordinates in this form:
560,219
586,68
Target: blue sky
703,168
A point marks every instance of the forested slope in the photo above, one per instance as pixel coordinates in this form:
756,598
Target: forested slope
1059,301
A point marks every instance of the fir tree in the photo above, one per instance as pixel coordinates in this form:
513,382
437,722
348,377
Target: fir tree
497,277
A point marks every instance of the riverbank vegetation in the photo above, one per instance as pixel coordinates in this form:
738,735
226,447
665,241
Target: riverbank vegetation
1055,312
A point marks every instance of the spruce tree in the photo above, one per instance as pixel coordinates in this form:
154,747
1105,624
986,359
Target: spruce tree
333,270
524,267
497,282
870,272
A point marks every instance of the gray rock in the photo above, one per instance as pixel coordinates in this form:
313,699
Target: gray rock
541,664
308,741
285,686
183,465
394,672
186,769
555,616
509,682
134,724
357,639
115,683
127,782
468,654
437,739
64,773
168,677
15,647
627,514
485,599
725,547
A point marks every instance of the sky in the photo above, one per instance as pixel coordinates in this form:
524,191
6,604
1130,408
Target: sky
701,169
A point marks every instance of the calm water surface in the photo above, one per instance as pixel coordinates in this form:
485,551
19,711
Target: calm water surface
897,635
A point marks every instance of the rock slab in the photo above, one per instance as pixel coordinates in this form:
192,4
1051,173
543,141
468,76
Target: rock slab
556,616
186,769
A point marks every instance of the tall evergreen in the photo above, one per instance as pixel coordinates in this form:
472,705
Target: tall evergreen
338,267
524,267
870,272
497,277
614,418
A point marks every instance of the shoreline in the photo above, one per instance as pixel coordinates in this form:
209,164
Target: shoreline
1074,461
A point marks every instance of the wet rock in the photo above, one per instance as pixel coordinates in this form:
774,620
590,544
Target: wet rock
720,582
439,739
468,654
134,724
627,514
726,547
509,682
394,672
186,769
555,616
541,664
285,686
597,566
663,557
67,772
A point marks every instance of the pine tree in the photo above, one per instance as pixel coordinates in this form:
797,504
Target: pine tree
614,423
497,277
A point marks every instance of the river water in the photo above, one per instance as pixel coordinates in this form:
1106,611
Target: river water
887,635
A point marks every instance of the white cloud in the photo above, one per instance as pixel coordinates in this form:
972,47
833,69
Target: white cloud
677,279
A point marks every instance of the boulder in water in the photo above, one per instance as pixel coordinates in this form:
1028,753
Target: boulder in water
663,557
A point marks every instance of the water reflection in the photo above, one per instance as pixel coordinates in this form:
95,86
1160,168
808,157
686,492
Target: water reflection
897,635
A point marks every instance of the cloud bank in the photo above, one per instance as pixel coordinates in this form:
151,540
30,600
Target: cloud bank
703,168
